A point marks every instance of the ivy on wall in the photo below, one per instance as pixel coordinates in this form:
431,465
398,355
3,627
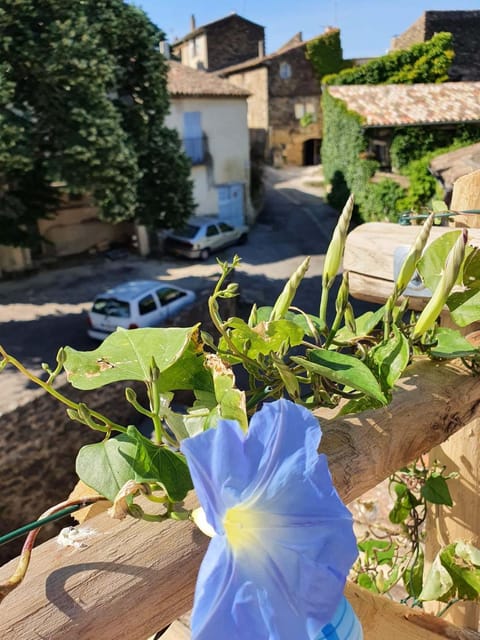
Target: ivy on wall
346,162
424,62
325,53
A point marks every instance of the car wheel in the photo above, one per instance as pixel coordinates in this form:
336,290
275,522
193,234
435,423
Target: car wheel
204,254
243,238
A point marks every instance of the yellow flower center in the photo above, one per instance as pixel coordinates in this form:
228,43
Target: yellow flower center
240,524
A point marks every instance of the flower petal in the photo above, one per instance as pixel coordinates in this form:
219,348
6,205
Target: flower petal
285,543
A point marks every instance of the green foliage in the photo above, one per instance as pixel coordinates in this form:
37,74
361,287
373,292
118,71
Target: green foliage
345,144
424,62
414,159
454,574
398,556
283,352
346,164
82,104
325,53
383,201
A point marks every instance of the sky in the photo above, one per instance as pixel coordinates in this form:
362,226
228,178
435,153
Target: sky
367,26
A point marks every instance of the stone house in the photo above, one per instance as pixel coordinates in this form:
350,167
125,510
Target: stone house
465,29
384,108
284,116
219,44
210,115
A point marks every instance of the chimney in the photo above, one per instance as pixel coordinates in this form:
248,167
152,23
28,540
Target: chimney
164,49
193,25
261,48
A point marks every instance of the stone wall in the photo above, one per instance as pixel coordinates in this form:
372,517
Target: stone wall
231,41
286,133
302,80
37,456
465,28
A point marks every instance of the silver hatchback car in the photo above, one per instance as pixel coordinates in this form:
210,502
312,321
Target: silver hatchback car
201,236
139,303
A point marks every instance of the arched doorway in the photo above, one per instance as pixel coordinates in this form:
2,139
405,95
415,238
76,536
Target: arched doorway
311,151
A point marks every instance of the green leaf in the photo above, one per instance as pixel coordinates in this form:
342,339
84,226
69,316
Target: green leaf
127,355
159,464
413,577
432,262
366,582
106,466
300,319
464,306
380,551
265,338
364,403
364,324
231,401
342,369
468,552
400,511
438,583
450,344
436,491
391,358
471,268
464,574
188,372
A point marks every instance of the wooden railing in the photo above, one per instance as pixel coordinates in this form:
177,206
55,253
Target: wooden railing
134,578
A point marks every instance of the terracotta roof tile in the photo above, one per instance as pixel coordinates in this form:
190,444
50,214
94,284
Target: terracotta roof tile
404,104
185,81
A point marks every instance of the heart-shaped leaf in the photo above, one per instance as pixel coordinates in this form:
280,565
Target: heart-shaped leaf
343,369
127,355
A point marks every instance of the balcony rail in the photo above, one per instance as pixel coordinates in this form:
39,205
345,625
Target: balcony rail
134,578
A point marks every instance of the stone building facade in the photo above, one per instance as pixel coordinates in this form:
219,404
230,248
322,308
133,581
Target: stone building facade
230,40
284,115
465,28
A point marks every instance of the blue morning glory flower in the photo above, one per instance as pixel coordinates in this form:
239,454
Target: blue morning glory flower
283,545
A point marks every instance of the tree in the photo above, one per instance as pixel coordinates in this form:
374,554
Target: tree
83,98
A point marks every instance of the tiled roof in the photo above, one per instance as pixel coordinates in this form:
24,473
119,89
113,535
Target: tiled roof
185,81
403,104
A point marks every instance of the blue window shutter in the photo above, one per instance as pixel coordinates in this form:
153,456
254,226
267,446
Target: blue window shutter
192,136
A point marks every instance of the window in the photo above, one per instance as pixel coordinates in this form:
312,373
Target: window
166,295
111,307
147,305
193,136
224,227
299,110
285,71
212,231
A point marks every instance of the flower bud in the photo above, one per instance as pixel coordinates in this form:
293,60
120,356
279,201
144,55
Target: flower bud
342,296
130,395
285,299
336,247
435,305
409,265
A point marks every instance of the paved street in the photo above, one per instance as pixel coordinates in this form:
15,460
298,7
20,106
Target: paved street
40,313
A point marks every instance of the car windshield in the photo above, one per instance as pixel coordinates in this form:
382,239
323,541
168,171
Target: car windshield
187,231
111,307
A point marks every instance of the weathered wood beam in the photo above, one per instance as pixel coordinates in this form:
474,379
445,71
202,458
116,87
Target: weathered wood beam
134,577
382,618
